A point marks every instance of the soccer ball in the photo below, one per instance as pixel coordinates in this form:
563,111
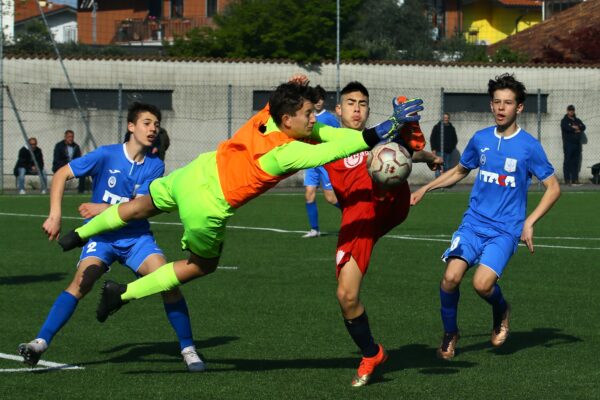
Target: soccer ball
389,164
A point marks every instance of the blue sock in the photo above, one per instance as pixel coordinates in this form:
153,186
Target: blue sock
179,317
496,300
313,215
62,309
449,309
359,330
338,205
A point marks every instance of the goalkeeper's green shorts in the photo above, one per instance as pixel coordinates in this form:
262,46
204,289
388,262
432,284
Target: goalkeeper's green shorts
195,192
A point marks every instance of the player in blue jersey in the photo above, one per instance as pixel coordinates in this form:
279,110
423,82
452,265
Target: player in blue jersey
120,172
507,158
315,177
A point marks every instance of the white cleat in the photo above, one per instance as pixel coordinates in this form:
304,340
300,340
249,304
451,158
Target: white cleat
22,191
313,233
32,351
192,360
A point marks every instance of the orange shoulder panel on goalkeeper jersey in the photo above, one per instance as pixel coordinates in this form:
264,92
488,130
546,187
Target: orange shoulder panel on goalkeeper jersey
240,173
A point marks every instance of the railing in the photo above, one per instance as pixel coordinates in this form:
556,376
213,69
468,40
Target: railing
144,30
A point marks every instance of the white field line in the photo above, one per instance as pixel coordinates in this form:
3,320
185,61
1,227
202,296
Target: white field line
48,364
429,238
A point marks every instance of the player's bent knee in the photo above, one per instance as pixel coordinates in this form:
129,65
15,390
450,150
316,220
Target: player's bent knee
451,280
482,287
347,298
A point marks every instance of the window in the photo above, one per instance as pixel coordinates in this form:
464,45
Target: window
211,8
479,102
176,8
108,99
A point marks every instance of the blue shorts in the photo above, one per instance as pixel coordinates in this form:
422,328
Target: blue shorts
482,245
131,252
316,176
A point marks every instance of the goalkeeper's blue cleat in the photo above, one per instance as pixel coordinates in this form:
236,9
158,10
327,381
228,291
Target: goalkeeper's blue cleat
71,240
110,300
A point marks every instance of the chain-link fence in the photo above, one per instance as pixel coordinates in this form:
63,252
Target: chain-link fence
198,116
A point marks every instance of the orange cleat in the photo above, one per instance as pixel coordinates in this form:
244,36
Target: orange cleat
367,366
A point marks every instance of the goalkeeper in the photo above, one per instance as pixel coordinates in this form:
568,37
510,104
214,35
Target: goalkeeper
207,192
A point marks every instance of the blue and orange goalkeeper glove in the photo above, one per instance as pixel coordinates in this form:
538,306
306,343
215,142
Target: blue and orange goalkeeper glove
387,130
410,135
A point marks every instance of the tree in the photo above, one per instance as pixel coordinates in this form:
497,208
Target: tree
303,31
33,40
386,30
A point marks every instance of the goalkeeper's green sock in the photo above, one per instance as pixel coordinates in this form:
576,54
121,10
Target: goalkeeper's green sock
161,280
107,220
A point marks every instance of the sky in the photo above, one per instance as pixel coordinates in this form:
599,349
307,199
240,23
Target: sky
72,3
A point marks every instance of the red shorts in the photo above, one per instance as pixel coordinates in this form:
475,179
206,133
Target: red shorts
367,219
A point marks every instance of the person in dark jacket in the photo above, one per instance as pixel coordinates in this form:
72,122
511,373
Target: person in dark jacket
64,152
572,129
26,165
450,142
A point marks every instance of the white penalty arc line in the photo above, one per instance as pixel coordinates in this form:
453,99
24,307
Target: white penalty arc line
429,238
48,364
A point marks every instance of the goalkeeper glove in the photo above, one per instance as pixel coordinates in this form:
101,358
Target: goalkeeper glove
388,130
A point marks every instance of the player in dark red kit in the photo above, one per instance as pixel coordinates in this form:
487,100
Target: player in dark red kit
368,213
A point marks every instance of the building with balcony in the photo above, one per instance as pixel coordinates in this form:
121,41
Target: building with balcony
146,22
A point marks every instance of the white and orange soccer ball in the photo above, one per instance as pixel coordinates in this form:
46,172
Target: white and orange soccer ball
389,164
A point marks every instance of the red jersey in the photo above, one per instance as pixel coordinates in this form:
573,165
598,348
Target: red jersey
365,217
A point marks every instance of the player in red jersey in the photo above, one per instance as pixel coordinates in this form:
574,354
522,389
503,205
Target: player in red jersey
368,213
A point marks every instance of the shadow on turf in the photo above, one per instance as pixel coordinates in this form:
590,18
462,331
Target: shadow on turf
517,341
146,352
26,279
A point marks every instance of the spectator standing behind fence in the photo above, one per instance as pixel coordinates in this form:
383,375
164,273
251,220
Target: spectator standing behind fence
26,165
450,142
573,130
64,152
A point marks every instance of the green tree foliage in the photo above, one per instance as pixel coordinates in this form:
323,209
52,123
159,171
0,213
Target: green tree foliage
505,54
303,31
35,40
386,30
457,49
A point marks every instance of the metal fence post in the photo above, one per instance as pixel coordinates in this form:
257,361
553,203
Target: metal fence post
229,110
120,114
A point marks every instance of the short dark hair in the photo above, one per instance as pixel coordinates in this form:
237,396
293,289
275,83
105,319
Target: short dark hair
508,81
288,98
135,109
570,107
69,131
354,86
321,93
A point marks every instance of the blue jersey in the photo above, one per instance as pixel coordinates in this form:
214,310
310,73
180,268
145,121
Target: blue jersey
116,179
506,165
327,118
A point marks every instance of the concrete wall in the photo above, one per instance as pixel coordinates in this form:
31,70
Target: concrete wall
200,118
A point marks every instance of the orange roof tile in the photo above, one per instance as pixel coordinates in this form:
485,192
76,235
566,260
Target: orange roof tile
28,9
